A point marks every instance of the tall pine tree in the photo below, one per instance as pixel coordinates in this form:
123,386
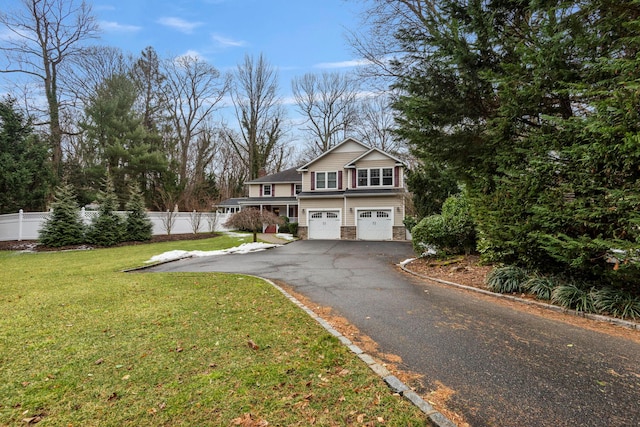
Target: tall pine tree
534,104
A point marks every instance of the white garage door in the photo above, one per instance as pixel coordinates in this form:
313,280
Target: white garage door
324,225
375,225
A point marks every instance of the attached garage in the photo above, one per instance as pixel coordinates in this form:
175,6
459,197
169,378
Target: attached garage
324,225
375,224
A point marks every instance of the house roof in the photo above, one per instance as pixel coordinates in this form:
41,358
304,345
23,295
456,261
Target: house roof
267,200
351,192
230,202
290,175
306,166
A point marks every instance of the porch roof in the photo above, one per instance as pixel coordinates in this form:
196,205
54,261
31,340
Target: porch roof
252,201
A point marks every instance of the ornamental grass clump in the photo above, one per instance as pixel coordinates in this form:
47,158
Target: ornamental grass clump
574,296
540,286
507,279
617,303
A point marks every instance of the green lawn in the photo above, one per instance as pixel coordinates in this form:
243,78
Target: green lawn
82,343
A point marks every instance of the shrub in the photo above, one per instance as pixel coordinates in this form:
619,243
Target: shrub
507,279
137,224
450,233
616,302
573,296
284,227
428,231
540,286
293,228
410,222
107,228
64,226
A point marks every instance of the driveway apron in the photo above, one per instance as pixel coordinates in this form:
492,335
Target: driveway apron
507,367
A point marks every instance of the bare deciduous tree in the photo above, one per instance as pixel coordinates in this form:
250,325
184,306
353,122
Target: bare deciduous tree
260,115
375,124
253,220
84,74
193,89
328,103
43,34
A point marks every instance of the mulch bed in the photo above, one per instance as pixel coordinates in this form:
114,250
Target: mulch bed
465,270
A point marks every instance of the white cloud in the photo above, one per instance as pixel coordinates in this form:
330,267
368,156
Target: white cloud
343,64
192,54
179,24
227,42
116,27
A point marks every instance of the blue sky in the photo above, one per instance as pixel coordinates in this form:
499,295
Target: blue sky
295,36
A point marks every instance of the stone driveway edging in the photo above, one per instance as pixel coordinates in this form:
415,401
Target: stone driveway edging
591,316
397,386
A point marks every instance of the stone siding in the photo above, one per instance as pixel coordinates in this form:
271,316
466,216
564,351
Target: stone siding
348,233
303,232
399,233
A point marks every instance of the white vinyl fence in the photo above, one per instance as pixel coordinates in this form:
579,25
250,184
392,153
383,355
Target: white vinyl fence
26,225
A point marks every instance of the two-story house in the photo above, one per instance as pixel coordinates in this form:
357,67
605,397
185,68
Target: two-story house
350,192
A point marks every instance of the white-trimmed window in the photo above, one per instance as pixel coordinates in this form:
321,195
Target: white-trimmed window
326,180
298,188
266,190
375,177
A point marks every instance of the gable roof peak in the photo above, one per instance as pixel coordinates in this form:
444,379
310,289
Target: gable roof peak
335,147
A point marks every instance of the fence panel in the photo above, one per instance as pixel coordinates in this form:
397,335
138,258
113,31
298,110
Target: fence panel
27,225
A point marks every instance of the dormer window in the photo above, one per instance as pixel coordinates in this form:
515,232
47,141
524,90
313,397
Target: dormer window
266,190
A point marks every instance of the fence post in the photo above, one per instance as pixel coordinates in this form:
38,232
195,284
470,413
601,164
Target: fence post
20,218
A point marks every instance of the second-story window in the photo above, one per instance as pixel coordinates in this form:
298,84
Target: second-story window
298,188
326,180
375,177
266,190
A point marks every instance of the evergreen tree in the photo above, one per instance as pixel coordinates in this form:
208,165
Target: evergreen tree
138,225
107,228
534,105
431,186
116,131
25,174
64,226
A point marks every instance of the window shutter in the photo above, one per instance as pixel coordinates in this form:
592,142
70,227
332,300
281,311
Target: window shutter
293,190
339,180
260,190
353,178
273,190
396,176
313,181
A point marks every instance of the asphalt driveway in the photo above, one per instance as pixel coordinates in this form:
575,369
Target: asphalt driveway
507,367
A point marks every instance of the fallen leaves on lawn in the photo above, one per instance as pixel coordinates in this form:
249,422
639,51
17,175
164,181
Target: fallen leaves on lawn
249,420
252,345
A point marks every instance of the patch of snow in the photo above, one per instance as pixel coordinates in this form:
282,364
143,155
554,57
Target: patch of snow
242,249
285,236
234,234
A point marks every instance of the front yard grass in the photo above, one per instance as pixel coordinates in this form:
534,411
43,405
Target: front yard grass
82,343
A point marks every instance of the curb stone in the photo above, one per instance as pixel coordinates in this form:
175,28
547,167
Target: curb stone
436,418
591,316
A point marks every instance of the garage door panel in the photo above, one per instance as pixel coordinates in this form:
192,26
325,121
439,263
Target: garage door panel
375,224
324,225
